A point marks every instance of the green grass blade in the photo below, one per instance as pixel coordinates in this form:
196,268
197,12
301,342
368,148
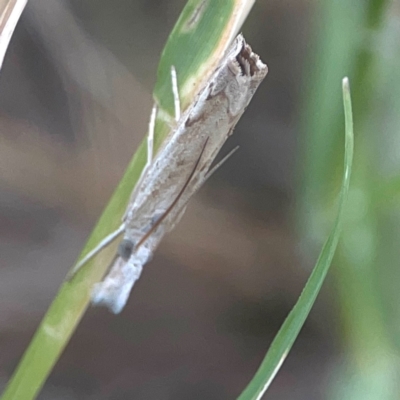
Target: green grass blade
290,329
200,36
207,26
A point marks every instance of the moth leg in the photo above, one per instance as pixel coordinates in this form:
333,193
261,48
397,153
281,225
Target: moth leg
150,138
150,142
175,92
104,243
150,154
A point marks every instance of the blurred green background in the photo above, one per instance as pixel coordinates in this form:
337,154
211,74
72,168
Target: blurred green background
75,95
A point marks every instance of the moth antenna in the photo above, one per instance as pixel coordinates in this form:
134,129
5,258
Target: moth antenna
104,243
219,165
209,173
172,205
175,92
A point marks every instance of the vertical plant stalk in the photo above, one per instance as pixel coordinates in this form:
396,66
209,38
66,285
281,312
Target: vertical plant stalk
207,26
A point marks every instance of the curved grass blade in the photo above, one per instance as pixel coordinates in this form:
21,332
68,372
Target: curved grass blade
213,24
290,329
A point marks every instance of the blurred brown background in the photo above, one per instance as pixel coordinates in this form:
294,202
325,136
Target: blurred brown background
75,95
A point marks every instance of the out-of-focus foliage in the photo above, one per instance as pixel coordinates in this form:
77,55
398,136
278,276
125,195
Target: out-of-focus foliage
359,38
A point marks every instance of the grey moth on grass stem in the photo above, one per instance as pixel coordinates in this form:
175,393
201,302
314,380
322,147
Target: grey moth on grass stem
179,168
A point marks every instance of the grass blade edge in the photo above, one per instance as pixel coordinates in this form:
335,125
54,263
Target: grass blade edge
291,327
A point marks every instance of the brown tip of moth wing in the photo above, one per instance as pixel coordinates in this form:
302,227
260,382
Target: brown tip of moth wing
249,62
246,62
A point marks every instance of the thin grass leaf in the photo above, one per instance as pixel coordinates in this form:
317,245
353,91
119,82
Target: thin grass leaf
208,27
10,12
290,329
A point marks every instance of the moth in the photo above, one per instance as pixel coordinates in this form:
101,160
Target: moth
178,169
